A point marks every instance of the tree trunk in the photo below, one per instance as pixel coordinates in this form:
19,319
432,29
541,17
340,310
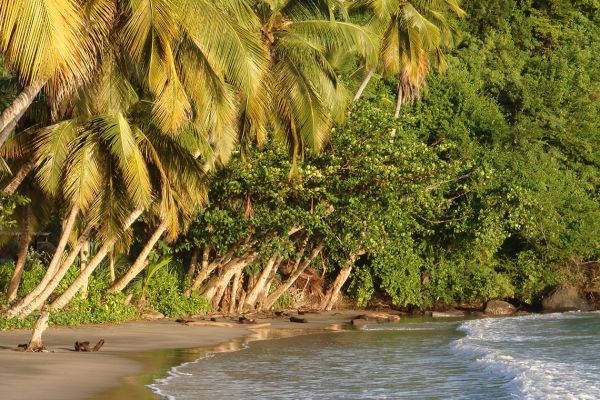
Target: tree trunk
221,295
235,287
24,241
229,270
68,294
207,269
19,177
11,115
54,263
193,262
241,302
273,297
398,106
260,284
264,294
334,291
140,262
111,266
364,84
36,343
30,304
84,254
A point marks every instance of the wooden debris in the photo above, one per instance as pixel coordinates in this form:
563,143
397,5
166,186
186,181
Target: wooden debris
85,346
246,320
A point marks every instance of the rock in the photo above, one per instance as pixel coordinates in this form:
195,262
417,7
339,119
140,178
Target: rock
448,314
565,298
152,315
377,318
298,320
499,307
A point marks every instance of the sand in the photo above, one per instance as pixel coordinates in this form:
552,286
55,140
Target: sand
131,349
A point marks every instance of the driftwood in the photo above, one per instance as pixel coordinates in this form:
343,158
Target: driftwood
298,320
85,346
246,320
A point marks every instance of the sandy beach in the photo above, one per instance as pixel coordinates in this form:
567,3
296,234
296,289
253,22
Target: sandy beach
131,349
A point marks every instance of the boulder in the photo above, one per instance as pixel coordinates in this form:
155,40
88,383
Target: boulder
565,298
499,307
374,318
152,315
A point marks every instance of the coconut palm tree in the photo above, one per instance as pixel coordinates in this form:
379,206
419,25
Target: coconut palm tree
413,34
45,44
305,94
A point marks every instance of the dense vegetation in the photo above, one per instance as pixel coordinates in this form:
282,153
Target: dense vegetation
211,158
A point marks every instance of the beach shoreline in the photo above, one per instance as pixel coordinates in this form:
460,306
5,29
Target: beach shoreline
135,354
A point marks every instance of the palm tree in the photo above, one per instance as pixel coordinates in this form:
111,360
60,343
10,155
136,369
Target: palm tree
45,44
305,92
413,34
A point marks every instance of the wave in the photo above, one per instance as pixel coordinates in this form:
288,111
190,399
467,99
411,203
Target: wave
536,354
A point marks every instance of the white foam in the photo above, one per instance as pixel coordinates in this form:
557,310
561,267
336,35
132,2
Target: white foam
534,370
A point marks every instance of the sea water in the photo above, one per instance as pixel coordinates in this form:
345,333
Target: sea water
552,356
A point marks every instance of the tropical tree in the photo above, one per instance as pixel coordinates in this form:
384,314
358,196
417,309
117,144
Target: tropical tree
413,35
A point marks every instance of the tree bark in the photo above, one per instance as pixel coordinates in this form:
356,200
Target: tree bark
364,84
260,283
24,241
19,177
36,343
68,294
35,302
193,262
229,269
273,297
140,262
54,263
84,254
398,106
13,113
334,291
264,294
111,266
235,287
207,269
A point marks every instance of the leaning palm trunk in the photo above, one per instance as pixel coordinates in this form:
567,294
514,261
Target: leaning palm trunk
54,263
334,291
24,241
364,84
68,294
84,254
398,106
260,283
11,115
273,297
19,177
36,302
140,262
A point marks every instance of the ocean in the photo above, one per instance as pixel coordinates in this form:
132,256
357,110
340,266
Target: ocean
538,356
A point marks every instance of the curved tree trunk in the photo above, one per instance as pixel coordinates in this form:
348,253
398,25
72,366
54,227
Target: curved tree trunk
13,113
273,297
264,294
36,343
398,106
68,294
24,241
229,269
140,262
37,301
252,297
19,177
111,266
364,84
54,263
334,291
207,269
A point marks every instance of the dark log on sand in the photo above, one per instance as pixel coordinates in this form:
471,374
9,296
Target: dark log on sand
298,320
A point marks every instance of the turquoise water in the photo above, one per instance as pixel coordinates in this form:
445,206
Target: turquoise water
554,356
